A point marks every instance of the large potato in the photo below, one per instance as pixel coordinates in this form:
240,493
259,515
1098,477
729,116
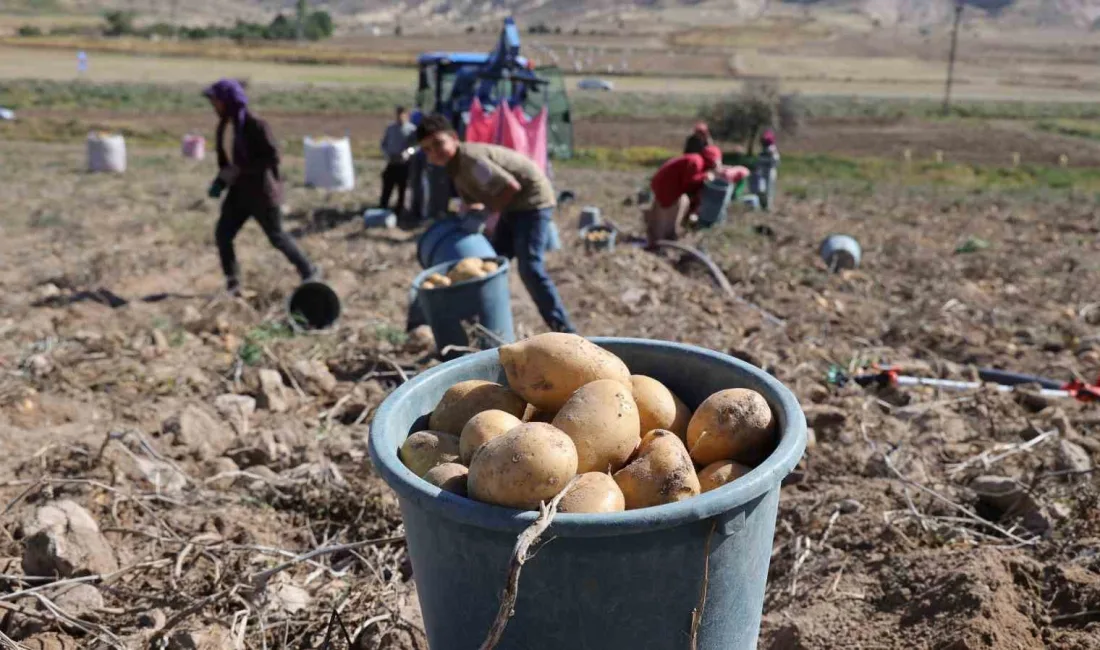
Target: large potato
658,407
546,369
593,492
661,473
448,476
528,465
734,424
482,428
717,474
602,419
424,450
466,399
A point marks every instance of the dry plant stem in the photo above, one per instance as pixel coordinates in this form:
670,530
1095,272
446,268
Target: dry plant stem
1007,450
259,582
282,366
396,368
520,555
8,644
98,577
697,613
966,511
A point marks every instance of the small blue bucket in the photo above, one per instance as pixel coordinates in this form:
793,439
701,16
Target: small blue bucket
379,218
841,252
486,300
715,202
450,240
619,581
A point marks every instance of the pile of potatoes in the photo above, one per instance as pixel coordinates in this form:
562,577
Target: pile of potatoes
572,409
598,235
468,268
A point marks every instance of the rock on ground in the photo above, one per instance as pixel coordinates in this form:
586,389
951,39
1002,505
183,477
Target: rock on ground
273,393
1007,497
237,409
79,600
211,638
63,539
1072,457
217,467
314,376
198,431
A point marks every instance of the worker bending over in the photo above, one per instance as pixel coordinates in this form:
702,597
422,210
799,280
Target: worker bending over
497,179
252,176
676,187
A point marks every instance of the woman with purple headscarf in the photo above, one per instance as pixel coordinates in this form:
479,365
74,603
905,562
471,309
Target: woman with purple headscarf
252,176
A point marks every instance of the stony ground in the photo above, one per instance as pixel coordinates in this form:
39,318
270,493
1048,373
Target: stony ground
184,447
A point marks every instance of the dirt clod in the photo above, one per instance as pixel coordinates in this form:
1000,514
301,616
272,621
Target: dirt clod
63,539
274,394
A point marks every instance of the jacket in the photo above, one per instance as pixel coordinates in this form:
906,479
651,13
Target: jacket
259,181
681,175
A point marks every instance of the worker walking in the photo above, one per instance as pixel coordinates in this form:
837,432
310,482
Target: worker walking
497,179
396,142
676,187
252,175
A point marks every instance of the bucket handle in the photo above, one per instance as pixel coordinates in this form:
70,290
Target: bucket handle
730,524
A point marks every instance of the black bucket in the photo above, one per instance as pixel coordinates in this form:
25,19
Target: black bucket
314,305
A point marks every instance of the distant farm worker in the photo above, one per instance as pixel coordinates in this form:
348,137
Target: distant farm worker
252,176
497,179
396,144
699,138
676,187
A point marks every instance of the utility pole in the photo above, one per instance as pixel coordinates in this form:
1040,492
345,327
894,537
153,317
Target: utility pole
303,8
951,59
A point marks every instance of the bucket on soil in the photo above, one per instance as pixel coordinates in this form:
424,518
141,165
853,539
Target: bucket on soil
379,218
841,252
619,581
449,240
484,300
715,202
314,305
598,238
590,216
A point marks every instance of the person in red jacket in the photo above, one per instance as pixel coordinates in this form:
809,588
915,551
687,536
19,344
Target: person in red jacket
676,187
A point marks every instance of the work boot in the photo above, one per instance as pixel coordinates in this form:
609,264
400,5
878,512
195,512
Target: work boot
233,287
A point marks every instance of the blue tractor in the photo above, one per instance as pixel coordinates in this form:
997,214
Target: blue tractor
448,83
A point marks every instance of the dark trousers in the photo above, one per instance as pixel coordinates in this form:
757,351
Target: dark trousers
395,174
525,236
236,210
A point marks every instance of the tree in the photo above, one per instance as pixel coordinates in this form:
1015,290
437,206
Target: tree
742,117
119,23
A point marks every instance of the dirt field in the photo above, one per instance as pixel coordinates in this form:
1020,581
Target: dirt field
883,539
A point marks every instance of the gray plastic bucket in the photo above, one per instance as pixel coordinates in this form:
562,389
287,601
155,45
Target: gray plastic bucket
590,216
485,300
715,201
841,252
379,218
619,581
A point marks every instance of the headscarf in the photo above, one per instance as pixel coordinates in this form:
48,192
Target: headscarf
768,138
712,156
231,93
702,129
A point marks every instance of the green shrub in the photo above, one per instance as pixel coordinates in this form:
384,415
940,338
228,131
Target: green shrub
30,30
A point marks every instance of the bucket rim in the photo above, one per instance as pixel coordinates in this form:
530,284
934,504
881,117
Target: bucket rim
720,503
502,267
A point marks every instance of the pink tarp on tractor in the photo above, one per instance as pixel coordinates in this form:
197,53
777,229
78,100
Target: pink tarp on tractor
509,127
